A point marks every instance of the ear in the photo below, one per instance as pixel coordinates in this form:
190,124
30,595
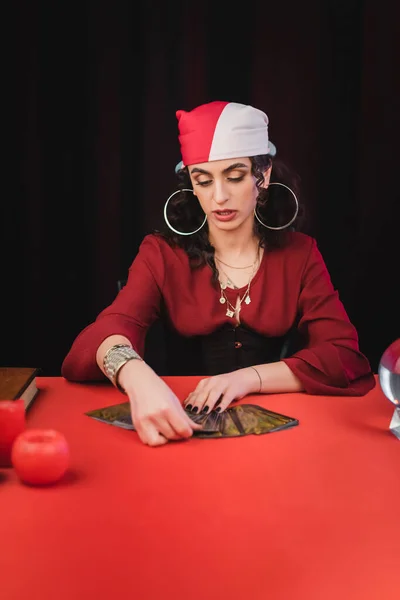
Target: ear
267,176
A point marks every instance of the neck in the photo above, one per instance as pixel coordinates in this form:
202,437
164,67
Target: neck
234,244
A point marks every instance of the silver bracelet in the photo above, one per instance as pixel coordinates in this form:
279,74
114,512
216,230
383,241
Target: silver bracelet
115,358
259,377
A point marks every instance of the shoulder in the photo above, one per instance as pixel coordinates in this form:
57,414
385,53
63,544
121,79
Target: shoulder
303,254
156,246
300,240
298,244
297,254
156,258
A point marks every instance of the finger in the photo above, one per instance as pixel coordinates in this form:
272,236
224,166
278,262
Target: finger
186,416
165,429
149,435
182,423
188,403
172,424
202,383
195,426
214,399
156,439
198,401
200,388
226,400
192,424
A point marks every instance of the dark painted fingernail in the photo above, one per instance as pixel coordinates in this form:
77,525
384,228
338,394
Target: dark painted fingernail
218,409
195,409
188,406
205,409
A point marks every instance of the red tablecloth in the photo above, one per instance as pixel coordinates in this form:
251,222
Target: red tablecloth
305,513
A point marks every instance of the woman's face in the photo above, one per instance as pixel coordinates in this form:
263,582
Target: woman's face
227,191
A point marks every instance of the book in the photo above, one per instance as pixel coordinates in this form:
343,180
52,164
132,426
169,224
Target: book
19,383
243,419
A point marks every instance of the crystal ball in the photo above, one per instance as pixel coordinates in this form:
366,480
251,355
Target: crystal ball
389,372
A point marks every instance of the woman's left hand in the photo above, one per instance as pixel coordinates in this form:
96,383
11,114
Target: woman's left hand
221,390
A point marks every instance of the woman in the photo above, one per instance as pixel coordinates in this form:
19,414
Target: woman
232,274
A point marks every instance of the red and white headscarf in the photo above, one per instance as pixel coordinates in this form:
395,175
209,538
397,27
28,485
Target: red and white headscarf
222,130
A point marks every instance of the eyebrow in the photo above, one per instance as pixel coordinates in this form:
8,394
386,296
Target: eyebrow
230,168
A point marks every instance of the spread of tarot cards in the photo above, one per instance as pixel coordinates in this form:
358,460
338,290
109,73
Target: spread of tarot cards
239,420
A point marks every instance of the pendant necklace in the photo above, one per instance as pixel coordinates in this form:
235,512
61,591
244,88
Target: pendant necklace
230,309
229,282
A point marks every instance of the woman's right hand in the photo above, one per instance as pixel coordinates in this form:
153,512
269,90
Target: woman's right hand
157,414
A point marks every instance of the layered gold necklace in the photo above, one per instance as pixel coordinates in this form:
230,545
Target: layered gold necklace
232,311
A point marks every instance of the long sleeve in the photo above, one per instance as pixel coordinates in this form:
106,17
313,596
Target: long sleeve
292,284
331,362
132,312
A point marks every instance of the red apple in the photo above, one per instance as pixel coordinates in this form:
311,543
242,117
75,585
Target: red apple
40,456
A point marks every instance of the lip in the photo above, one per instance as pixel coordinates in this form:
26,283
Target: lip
232,214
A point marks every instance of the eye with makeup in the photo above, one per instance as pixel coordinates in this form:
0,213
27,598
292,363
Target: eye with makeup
234,173
230,179
204,183
236,179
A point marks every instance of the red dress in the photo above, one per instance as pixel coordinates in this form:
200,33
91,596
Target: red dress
292,286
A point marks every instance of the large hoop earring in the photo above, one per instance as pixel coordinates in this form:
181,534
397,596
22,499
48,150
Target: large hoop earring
295,212
169,224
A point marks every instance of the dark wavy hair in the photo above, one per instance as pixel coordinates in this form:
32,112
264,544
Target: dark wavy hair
275,207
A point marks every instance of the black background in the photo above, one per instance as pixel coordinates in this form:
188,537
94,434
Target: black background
93,92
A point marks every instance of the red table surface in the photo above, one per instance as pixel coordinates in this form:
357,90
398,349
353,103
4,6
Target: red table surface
304,513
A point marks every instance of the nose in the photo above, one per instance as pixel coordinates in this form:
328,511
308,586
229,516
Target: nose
220,195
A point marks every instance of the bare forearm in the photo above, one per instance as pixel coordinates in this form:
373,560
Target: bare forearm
276,378
156,412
